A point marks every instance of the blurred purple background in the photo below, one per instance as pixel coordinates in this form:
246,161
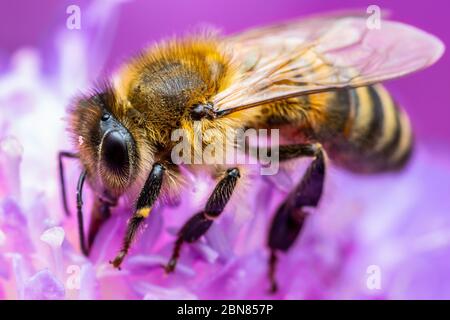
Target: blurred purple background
426,95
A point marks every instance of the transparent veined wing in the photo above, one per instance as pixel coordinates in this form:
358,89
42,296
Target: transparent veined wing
321,54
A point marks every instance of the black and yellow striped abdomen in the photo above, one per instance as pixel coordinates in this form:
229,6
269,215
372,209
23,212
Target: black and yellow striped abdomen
362,129
370,133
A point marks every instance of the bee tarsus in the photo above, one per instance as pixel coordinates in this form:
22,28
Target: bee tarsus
62,181
273,261
170,267
200,223
81,180
117,262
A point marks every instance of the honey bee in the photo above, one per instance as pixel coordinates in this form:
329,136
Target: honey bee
316,79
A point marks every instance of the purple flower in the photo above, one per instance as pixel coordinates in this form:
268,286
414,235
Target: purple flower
378,237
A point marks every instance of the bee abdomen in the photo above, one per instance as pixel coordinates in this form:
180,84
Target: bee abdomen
377,133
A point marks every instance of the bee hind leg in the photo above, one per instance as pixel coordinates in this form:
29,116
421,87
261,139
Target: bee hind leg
200,223
290,216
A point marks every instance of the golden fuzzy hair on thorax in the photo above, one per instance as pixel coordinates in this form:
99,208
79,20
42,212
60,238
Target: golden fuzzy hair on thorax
165,81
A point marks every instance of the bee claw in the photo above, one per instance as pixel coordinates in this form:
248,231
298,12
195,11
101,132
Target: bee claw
170,267
118,260
115,265
273,260
273,288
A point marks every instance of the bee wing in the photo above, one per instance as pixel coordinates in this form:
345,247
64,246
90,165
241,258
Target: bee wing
310,27
321,54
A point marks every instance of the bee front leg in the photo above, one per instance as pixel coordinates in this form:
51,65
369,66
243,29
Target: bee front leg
79,196
62,180
80,219
146,199
199,224
290,216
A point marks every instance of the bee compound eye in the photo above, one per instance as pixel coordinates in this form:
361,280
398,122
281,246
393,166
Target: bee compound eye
115,151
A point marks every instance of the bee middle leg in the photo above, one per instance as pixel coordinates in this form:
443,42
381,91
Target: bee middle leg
200,223
290,216
101,211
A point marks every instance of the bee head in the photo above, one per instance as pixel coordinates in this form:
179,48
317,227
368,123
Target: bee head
105,146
